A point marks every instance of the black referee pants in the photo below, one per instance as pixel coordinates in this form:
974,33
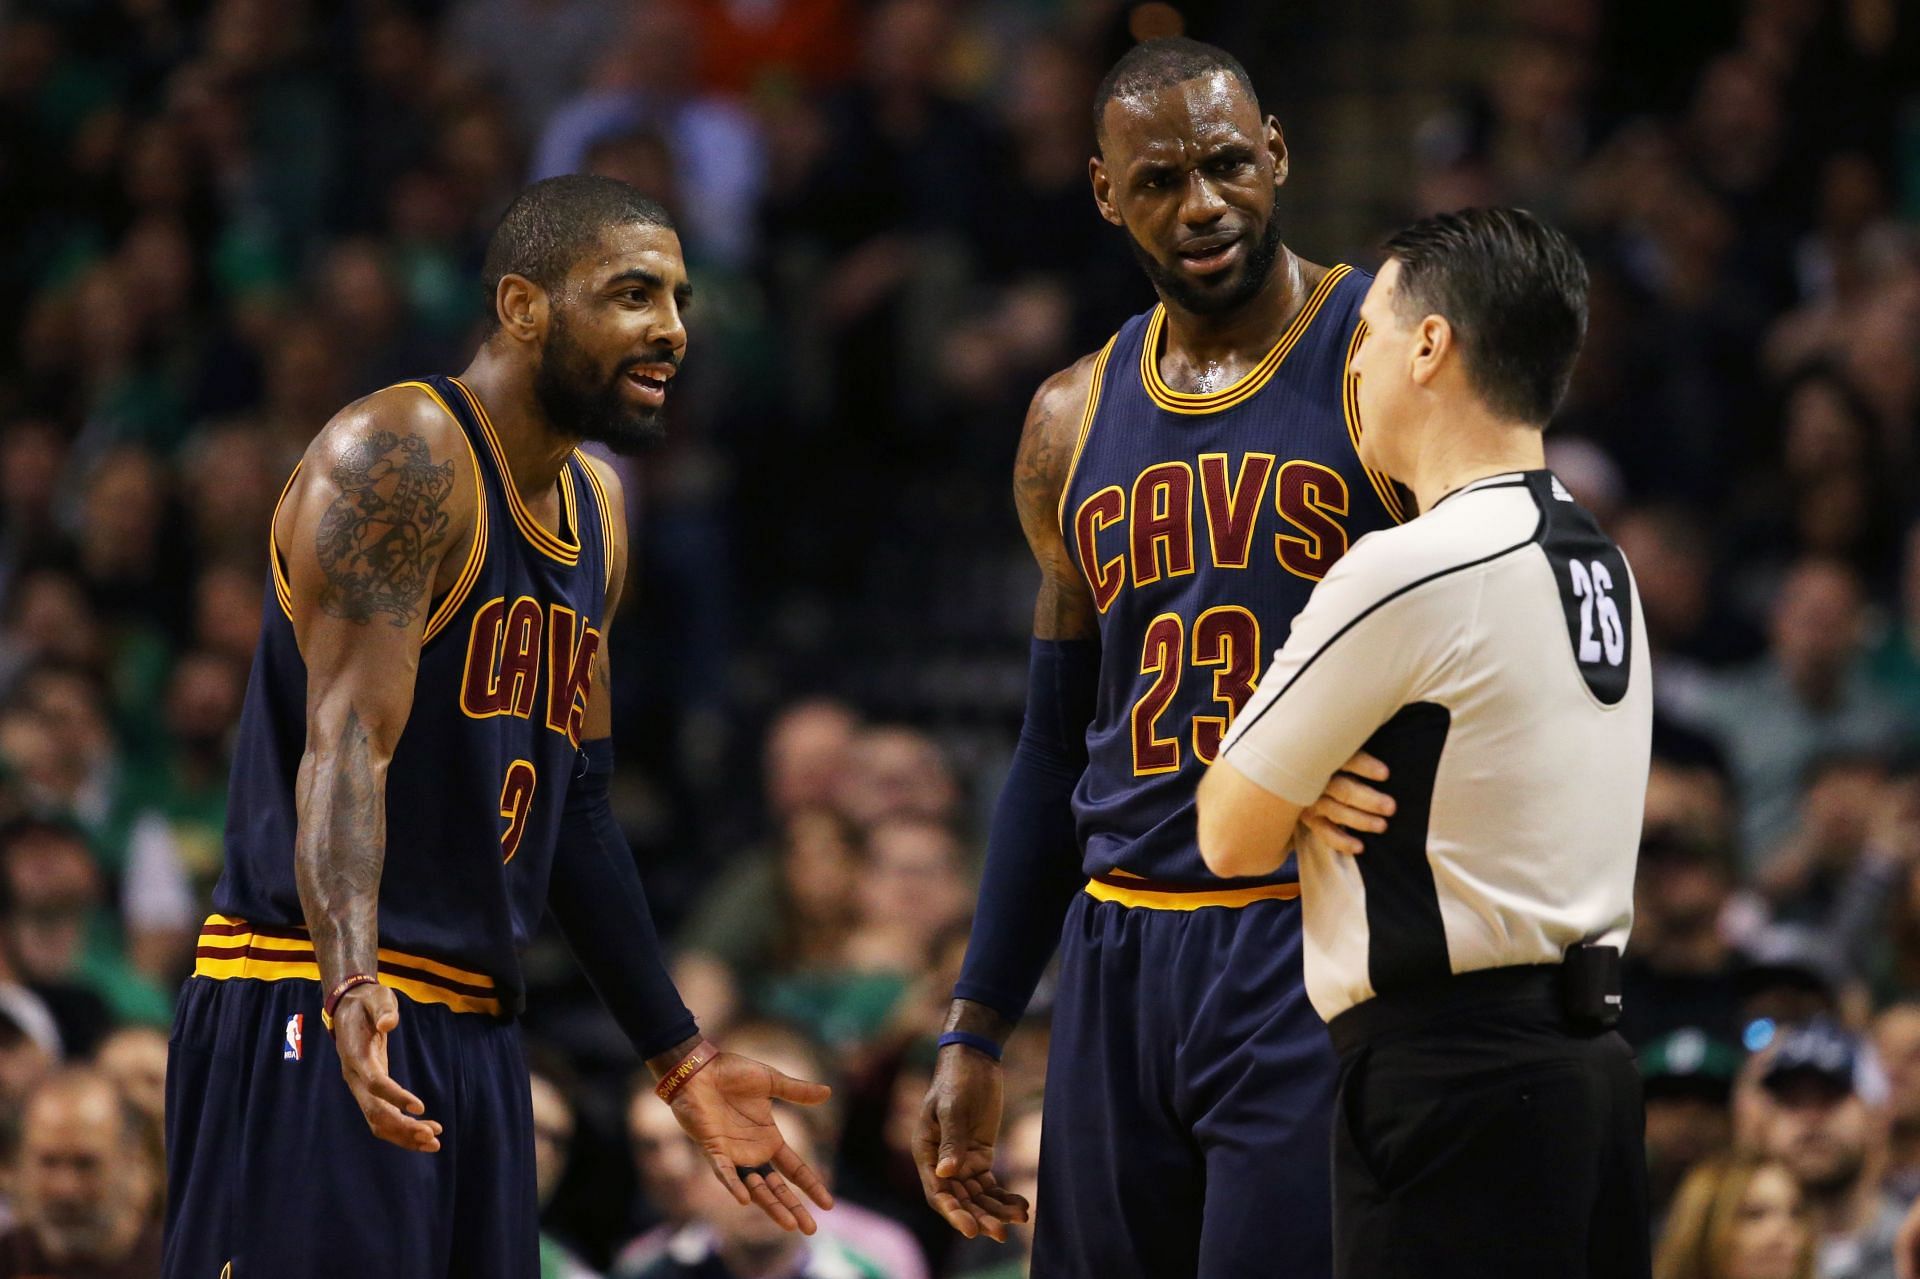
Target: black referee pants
1486,1137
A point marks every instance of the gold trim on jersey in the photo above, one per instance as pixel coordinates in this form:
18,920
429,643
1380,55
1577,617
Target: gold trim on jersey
544,540
1086,427
1250,383
282,588
606,513
1154,899
477,551
231,948
1350,405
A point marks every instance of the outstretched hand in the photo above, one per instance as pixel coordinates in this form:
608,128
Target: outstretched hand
1348,807
727,1108
366,1015
953,1146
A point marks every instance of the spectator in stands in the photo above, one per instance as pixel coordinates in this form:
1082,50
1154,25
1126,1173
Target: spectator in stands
135,1059
1687,1078
1896,1044
1682,969
1737,1217
1808,697
896,771
49,889
648,80
725,1241
87,1192
553,1126
670,1171
1828,1125
790,914
173,817
909,892
1896,658
537,50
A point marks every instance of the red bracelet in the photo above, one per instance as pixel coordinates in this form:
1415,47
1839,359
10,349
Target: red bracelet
676,1079
332,1000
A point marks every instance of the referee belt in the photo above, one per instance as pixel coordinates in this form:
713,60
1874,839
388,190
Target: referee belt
1531,991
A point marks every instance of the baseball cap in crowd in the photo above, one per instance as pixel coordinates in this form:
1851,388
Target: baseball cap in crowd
1790,956
1689,1063
1823,1053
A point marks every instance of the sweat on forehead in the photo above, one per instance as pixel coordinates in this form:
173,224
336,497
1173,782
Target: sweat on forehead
1147,68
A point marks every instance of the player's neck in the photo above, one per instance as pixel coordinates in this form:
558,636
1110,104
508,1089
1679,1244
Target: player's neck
1470,445
1249,330
535,452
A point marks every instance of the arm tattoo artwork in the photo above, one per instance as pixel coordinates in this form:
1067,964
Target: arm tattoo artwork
344,837
377,538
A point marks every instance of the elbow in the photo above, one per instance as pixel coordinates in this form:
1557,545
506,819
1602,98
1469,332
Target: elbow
1233,860
1223,843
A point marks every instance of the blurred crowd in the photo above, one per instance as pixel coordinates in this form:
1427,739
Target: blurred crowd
223,219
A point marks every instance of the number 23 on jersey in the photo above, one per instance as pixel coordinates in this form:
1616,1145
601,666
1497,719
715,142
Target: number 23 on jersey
1224,642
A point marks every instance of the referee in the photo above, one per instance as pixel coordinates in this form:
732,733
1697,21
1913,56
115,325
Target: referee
1492,656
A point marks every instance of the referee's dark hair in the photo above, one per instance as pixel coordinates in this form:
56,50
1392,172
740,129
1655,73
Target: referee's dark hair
1155,64
1515,291
551,223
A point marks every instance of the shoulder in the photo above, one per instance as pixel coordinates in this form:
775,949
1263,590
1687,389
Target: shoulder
404,425
1064,395
1052,430
1450,540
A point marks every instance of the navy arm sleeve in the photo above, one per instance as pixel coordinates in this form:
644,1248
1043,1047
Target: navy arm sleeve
1033,852
597,899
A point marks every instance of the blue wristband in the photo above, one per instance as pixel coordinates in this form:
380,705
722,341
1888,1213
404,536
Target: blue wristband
967,1039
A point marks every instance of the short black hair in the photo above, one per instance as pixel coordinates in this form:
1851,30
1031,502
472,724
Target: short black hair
551,223
1155,64
1515,291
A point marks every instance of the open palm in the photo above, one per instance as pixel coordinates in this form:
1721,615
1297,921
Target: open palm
727,1108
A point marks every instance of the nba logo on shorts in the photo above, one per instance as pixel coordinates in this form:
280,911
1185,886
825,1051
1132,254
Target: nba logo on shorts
295,1024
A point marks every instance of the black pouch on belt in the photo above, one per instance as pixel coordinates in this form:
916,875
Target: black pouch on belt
1590,985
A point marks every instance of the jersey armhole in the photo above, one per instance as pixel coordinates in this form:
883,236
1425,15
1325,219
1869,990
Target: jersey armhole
1086,428
282,587
450,603
1383,487
605,508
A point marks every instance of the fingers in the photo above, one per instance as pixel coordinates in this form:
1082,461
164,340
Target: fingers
1365,765
948,1206
1356,794
795,1169
799,1091
1334,837
777,1200
1330,809
731,1180
985,1192
390,1125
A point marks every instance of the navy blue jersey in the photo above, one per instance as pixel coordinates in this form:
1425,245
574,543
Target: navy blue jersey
1201,523
477,783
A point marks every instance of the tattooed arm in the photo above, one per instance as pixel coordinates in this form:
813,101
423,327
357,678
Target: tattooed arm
380,515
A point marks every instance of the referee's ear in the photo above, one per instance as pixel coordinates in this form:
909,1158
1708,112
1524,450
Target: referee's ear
1432,344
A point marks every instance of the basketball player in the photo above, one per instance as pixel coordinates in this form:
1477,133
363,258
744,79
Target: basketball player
421,772
1182,489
